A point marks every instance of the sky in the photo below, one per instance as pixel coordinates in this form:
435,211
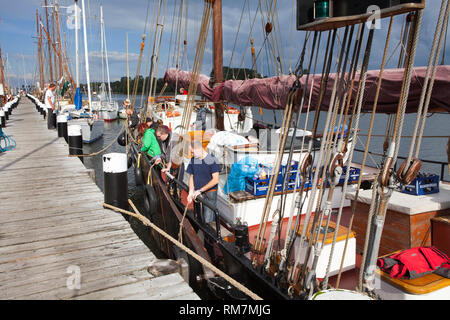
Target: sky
136,17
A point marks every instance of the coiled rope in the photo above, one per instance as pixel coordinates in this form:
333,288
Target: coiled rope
6,142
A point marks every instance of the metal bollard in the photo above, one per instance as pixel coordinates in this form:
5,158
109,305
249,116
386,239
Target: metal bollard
75,140
115,171
62,126
2,118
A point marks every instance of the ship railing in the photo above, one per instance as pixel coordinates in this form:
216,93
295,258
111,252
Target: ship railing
200,199
432,162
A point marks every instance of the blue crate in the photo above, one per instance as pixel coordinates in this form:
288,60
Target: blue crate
354,175
257,187
423,184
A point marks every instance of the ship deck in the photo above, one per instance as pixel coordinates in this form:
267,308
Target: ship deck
55,233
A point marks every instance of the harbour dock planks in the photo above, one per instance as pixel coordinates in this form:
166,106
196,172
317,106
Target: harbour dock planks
52,224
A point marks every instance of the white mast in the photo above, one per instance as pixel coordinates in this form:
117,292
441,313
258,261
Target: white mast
102,49
77,78
106,54
86,56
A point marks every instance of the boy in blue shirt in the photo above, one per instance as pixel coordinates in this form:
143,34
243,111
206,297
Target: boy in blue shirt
204,169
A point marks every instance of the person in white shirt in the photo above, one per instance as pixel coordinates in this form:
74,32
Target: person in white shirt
50,105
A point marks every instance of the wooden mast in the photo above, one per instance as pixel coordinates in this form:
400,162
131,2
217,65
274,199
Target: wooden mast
58,35
39,38
49,45
3,77
218,60
56,52
55,63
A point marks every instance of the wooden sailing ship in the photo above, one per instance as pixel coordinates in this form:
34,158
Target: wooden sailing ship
59,73
300,248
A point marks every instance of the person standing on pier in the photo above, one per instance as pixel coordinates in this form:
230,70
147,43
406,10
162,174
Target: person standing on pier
50,105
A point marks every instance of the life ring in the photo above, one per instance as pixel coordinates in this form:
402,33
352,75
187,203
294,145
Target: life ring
150,201
232,110
171,114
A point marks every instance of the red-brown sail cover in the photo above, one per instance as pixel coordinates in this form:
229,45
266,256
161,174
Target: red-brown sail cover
272,93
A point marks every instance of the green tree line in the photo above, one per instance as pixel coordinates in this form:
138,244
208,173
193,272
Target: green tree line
120,86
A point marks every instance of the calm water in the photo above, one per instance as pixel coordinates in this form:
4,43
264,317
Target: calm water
432,149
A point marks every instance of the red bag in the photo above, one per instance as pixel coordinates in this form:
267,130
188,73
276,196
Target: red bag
414,263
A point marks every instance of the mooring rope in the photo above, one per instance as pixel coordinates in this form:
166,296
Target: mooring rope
100,151
200,259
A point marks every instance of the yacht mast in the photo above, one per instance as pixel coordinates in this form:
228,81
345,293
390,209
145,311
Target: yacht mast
106,53
86,56
77,78
49,45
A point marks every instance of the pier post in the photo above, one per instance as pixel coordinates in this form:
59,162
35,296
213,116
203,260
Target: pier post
2,118
62,126
115,183
75,140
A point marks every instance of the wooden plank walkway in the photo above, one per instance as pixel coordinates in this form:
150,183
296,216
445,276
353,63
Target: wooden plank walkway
53,227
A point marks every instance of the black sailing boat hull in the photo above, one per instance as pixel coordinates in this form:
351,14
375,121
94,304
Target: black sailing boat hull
213,248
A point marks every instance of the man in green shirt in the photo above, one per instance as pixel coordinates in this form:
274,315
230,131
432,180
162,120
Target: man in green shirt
150,144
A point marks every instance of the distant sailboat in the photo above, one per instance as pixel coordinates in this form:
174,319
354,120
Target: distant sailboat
91,126
104,105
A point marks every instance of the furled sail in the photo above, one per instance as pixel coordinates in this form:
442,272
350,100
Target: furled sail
271,93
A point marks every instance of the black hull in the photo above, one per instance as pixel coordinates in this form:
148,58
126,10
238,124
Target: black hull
224,255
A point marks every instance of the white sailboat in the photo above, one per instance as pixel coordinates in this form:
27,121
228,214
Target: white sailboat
104,105
91,125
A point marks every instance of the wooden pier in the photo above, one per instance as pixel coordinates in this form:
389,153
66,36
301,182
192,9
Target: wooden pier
56,239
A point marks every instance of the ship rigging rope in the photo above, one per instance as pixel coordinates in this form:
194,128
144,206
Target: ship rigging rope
318,218
155,54
380,78
198,62
441,24
273,179
200,259
336,100
328,57
291,233
386,183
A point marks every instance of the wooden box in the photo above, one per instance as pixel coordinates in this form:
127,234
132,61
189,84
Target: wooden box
408,219
440,233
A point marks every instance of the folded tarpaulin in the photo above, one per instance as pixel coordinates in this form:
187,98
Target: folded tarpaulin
272,93
416,262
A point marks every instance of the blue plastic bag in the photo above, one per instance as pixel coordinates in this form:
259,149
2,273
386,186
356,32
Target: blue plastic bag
78,99
244,168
